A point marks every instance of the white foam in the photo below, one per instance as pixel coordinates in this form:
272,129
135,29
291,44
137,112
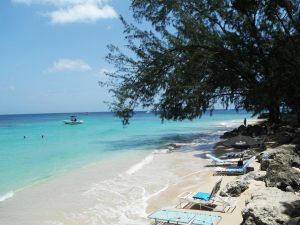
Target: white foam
156,193
163,151
6,196
140,165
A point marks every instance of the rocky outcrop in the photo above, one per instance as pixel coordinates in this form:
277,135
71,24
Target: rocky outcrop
281,176
250,130
271,206
264,164
284,154
235,188
254,130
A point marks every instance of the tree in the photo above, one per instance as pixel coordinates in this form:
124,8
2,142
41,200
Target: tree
201,52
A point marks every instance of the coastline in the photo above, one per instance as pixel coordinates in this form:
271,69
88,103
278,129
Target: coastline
205,183
82,196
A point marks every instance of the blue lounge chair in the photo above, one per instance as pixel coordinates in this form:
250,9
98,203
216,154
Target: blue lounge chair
208,199
217,161
234,169
185,217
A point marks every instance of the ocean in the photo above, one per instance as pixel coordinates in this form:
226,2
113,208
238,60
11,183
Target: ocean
38,148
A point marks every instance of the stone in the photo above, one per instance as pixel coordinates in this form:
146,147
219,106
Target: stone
281,176
260,175
271,206
296,141
295,162
283,154
230,134
289,189
264,164
247,154
241,129
255,130
235,188
294,221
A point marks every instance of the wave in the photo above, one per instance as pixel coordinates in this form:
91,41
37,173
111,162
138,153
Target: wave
6,196
140,165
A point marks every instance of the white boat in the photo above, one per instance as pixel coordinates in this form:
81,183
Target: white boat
73,121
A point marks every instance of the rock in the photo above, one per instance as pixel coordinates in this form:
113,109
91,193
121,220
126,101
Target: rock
281,176
283,154
289,189
255,130
295,162
296,141
231,155
271,206
264,164
230,134
241,129
260,175
283,138
294,221
247,154
235,188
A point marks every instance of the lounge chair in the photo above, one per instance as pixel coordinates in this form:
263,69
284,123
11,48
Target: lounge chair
217,161
185,217
208,199
231,170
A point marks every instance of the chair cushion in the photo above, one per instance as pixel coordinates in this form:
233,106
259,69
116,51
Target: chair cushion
202,195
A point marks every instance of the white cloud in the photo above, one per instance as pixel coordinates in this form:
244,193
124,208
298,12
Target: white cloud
82,13
71,11
75,65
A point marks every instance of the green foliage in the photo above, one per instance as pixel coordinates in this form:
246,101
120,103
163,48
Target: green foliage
240,52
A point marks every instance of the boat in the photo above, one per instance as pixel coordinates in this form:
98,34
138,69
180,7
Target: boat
73,121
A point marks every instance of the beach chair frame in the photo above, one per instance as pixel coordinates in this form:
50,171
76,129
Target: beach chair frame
227,204
216,161
233,170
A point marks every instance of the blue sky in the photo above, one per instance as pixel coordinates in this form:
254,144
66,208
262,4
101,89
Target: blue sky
52,53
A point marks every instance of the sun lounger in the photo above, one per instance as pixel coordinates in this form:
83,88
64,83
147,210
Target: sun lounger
185,217
234,169
208,199
217,161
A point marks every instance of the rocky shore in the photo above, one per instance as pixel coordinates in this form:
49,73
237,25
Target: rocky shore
277,202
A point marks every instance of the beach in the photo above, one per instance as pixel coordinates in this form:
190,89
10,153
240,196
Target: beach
121,190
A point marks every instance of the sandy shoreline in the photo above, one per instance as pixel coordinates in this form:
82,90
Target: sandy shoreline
117,193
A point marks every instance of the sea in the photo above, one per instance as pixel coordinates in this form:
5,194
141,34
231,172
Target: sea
36,148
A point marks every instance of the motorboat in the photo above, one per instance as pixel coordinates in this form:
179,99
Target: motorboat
73,121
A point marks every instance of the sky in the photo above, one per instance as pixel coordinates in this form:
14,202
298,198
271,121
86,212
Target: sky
52,53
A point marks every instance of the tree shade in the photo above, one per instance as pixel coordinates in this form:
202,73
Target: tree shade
201,52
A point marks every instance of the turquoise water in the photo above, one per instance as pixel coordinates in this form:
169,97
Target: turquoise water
25,161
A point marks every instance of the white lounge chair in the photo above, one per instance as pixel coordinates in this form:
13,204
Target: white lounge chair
217,161
208,199
231,170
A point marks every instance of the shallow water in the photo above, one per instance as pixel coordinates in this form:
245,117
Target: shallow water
64,148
